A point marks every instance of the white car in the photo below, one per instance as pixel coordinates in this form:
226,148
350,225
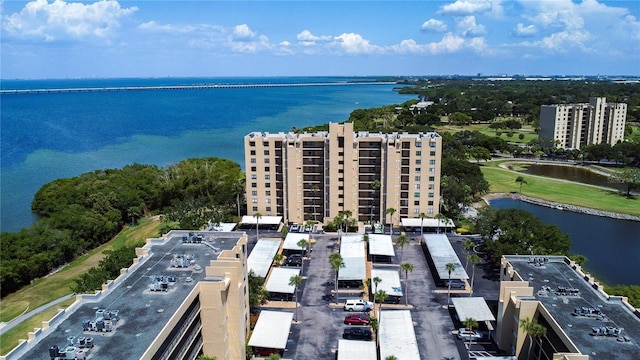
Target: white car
468,335
294,227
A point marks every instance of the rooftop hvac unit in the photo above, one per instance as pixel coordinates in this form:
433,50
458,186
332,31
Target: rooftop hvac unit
81,354
89,343
70,352
53,351
71,340
100,313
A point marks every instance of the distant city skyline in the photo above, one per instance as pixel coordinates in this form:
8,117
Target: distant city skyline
64,39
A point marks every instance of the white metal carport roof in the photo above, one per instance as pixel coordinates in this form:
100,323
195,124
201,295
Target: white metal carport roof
272,330
427,222
390,281
353,255
472,307
397,336
356,350
264,220
291,241
381,245
442,253
352,246
279,280
261,256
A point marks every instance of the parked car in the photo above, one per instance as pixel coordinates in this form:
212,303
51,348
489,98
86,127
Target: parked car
357,305
294,260
456,284
468,335
357,333
294,227
356,319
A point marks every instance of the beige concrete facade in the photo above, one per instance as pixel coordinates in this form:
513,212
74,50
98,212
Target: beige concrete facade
577,125
313,176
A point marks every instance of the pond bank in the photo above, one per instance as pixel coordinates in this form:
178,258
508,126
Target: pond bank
560,206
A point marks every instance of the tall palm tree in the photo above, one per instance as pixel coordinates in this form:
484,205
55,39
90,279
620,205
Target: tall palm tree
379,297
407,268
422,216
473,259
521,180
257,216
278,259
467,245
391,211
533,330
304,244
402,241
470,323
295,281
376,280
336,261
440,216
450,267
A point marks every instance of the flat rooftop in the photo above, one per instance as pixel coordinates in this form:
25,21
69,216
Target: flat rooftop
143,313
544,276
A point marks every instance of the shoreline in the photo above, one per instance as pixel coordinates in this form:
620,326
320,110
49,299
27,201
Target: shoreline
560,206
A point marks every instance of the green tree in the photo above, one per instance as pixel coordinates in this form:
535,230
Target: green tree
458,118
336,262
450,268
376,281
274,357
533,330
390,212
467,245
521,181
304,244
422,216
631,177
258,216
205,357
295,281
407,268
375,187
402,241
473,259
479,153
439,217
379,297
470,324
278,259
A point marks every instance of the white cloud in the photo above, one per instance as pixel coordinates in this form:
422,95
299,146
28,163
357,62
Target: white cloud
523,31
468,27
465,7
434,25
353,43
306,38
60,20
449,43
170,28
243,32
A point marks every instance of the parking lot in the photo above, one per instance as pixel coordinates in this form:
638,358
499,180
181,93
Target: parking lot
320,320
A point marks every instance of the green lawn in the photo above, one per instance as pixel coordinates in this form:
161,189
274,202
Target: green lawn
527,130
503,181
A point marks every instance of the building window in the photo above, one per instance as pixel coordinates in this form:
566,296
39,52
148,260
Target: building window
253,185
417,177
266,161
253,160
430,211
416,203
253,168
267,185
432,170
267,169
266,152
253,152
416,210
340,187
416,186
340,179
417,169
254,200
340,204
340,171
432,162
265,143
268,200
416,194
255,208
432,153
418,153
418,161
431,195
431,186
341,153
268,208
254,193
432,178
267,176
267,193
430,203
432,144
418,143
254,177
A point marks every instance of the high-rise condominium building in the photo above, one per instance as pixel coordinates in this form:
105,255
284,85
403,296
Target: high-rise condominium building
314,176
576,125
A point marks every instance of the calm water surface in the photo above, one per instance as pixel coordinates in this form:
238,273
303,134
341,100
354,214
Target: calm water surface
611,246
575,173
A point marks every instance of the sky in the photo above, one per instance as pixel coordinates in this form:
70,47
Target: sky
108,38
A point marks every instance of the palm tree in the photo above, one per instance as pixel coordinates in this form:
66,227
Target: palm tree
440,216
521,180
402,241
391,211
450,267
407,268
391,357
376,280
375,326
336,261
474,259
467,245
304,244
422,216
470,323
239,188
295,281
278,259
379,297
257,216
533,329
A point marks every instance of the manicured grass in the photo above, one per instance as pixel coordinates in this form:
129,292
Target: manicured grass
10,339
528,131
57,285
503,181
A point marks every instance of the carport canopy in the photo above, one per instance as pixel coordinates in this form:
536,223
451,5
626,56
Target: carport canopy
442,253
272,330
264,220
261,256
291,241
356,350
472,307
427,223
279,280
390,281
397,336
381,245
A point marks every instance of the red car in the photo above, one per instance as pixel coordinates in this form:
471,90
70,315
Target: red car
356,319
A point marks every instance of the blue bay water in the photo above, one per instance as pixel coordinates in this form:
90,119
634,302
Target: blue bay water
48,136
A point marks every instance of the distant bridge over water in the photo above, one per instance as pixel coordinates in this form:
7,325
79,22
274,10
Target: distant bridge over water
182,87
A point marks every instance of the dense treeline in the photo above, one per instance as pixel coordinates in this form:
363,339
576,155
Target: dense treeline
83,212
483,100
108,268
